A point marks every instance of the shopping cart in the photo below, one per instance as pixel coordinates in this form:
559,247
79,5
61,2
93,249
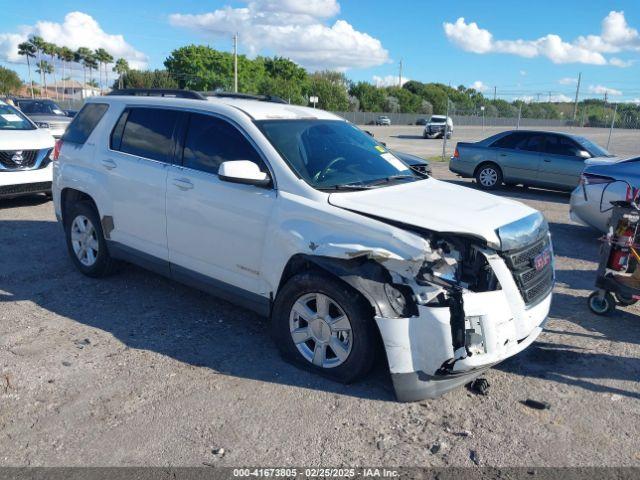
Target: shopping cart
618,276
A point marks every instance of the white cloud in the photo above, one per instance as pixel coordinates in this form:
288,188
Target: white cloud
560,97
388,81
618,62
635,100
479,86
568,81
77,30
292,29
601,90
615,36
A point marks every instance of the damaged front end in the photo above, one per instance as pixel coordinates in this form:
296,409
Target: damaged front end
466,305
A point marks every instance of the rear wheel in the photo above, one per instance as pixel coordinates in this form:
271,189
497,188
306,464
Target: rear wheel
85,240
489,176
322,325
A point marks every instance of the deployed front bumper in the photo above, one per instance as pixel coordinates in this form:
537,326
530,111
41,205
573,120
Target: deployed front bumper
420,351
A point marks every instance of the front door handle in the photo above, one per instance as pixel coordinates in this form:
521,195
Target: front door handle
109,164
183,183
547,160
503,154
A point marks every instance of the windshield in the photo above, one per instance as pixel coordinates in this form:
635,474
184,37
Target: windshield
437,120
12,119
593,148
330,154
38,107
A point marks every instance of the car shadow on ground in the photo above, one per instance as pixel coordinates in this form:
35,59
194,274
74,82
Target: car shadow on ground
23,201
407,137
150,312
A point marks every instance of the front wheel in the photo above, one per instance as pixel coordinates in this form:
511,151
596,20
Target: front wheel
489,176
602,306
322,325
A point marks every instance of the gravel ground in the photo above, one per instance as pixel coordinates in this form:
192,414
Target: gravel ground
139,370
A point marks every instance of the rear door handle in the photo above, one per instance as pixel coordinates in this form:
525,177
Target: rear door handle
109,164
547,160
503,154
183,183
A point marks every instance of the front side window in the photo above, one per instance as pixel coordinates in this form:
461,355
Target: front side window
558,145
531,143
148,133
211,141
12,119
84,123
330,154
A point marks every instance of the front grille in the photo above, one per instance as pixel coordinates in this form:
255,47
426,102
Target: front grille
18,159
25,188
533,284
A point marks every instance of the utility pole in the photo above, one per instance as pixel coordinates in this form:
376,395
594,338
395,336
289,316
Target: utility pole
613,121
235,63
400,75
549,97
446,132
519,115
495,93
575,106
604,106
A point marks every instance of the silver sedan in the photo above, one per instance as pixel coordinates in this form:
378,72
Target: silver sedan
600,184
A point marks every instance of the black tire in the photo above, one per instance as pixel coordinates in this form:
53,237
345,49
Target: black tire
424,135
103,264
488,176
604,306
359,313
624,301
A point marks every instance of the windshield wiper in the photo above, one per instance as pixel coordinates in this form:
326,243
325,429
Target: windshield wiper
347,186
390,179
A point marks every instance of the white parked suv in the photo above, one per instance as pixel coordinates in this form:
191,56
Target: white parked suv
25,163
301,216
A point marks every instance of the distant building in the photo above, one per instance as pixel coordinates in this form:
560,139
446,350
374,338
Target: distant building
73,90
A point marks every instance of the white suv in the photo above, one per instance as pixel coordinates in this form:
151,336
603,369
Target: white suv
301,216
25,165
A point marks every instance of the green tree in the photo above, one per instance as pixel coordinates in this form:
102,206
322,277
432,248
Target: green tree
331,88
371,98
103,58
147,79
121,67
65,55
38,44
26,49
9,81
79,56
44,69
199,67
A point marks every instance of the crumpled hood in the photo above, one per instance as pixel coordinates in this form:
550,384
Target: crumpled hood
26,139
437,206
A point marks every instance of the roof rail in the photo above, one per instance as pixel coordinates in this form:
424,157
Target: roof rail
158,92
245,96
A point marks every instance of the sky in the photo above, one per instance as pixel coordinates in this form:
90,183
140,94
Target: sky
517,49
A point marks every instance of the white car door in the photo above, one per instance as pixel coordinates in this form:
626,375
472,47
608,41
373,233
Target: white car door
142,146
215,228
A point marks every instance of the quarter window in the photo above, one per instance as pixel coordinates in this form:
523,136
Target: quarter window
84,123
210,141
147,132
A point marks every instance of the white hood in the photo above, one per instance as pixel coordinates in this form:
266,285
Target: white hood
437,206
26,139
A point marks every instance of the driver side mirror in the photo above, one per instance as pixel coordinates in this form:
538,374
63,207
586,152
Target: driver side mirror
583,154
243,171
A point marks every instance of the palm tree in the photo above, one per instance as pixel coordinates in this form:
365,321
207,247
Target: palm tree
91,63
51,49
44,68
79,56
26,49
103,57
64,55
121,68
38,43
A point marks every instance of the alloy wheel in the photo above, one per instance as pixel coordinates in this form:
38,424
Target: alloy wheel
320,330
84,240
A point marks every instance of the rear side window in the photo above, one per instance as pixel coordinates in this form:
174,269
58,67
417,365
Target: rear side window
84,122
210,141
510,141
533,143
146,132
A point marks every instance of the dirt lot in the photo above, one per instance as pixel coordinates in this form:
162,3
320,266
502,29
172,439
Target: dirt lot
139,370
